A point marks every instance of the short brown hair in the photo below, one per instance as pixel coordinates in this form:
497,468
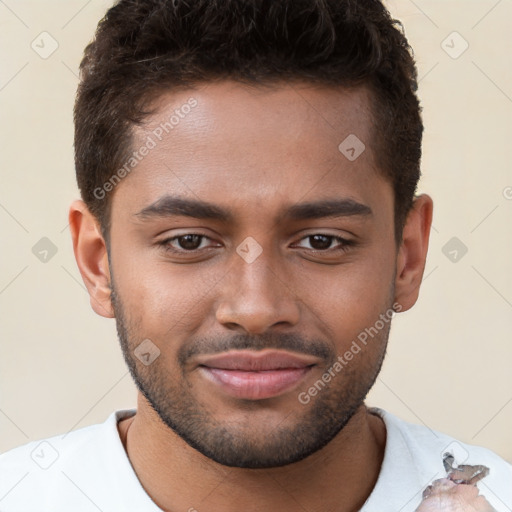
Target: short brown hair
145,47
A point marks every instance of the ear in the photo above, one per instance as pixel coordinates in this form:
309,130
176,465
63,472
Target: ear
413,252
91,256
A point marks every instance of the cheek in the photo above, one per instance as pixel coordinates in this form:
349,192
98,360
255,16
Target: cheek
158,297
348,299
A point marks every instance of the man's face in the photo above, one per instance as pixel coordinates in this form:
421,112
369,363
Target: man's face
268,279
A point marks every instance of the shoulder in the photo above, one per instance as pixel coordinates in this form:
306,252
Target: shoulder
426,442
422,449
31,472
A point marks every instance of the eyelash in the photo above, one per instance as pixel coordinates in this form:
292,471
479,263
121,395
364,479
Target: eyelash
345,244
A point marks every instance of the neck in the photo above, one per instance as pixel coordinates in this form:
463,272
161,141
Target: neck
337,478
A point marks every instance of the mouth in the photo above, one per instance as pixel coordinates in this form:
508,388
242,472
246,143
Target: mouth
256,375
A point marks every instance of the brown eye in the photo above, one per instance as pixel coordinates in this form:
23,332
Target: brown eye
320,242
189,242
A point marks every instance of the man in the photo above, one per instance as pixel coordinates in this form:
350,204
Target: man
248,173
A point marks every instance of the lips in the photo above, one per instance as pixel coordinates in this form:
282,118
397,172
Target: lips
256,375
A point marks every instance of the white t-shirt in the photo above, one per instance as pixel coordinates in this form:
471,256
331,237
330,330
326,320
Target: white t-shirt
87,470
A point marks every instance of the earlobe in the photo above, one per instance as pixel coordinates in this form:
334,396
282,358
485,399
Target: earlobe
91,257
413,252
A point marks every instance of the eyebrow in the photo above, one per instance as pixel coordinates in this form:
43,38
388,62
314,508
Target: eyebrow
168,206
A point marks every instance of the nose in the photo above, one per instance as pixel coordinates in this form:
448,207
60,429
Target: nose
256,297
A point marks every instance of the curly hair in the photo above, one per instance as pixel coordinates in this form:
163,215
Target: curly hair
145,47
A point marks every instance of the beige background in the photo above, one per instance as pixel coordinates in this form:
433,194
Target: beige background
449,359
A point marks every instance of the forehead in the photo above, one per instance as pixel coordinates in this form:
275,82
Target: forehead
254,147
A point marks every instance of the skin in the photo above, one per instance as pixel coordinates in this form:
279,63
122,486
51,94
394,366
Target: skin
255,151
445,495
